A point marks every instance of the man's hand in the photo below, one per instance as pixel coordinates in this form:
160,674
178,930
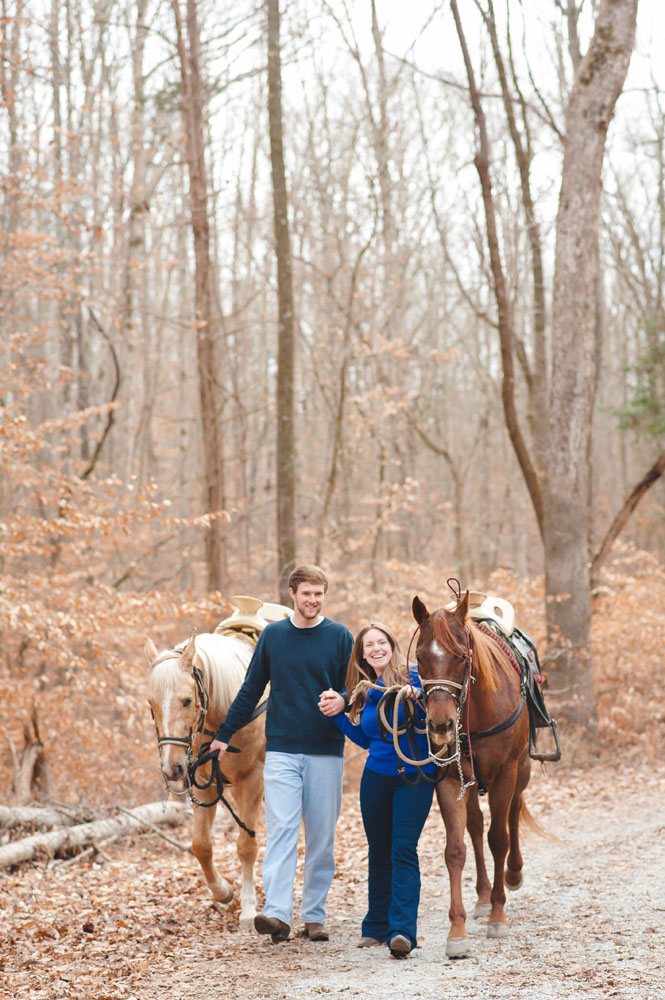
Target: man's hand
221,747
331,702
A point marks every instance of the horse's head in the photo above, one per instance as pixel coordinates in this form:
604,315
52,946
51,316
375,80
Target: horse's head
443,661
174,696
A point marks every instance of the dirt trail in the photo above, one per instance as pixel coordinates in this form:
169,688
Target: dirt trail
587,923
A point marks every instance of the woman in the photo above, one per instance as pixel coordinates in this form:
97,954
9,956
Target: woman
393,810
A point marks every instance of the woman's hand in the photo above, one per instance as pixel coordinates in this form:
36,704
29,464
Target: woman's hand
409,691
331,702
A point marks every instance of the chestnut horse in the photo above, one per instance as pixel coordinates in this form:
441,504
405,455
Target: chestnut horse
474,698
189,692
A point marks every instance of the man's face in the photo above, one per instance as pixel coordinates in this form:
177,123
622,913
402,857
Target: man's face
308,599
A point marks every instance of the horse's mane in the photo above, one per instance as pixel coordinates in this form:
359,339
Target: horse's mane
222,660
223,673
488,657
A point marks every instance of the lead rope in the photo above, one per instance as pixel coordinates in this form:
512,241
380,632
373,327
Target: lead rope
432,757
395,731
205,756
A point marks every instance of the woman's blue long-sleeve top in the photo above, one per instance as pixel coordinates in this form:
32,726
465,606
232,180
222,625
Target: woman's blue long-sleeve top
382,757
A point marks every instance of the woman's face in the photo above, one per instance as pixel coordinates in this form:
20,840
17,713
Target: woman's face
377,650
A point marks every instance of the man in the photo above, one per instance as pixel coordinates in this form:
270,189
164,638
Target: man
300,657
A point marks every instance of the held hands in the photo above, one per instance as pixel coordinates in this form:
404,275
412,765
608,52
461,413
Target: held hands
331,702
410,692
218,745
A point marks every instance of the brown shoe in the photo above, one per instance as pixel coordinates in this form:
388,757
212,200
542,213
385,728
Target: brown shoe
368,942
399,945
316,932
278,930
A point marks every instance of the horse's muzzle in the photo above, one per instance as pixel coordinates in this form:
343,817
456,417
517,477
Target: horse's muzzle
442,734
175,776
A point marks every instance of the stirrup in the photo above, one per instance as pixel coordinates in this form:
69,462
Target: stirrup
552,755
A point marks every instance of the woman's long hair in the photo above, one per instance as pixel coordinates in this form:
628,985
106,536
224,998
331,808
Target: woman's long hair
360,675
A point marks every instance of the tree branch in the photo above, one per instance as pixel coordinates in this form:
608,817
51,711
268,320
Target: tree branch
623,516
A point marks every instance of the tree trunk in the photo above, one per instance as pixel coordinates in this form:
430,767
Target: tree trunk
286,461
559,486
30,779
135,312
598,83
206,326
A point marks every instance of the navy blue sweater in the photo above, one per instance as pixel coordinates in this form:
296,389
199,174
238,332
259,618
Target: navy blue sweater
382,757
298,663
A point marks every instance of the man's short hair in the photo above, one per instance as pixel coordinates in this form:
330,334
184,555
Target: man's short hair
307,574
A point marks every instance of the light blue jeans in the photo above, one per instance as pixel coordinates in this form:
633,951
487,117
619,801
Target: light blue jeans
307,787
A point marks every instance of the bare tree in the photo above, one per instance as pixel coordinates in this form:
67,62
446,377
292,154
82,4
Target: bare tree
559,486
598,82
206,325
286,457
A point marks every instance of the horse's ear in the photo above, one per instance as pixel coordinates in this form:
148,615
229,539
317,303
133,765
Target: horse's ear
188,653
420,612
462,609
150,650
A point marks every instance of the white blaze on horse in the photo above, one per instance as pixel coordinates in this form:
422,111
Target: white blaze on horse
190,691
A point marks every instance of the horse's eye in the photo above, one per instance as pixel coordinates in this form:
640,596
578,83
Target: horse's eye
186,702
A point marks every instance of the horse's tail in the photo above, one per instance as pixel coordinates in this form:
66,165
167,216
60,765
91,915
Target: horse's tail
527,820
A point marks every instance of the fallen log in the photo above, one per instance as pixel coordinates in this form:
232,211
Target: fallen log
172,813
41,816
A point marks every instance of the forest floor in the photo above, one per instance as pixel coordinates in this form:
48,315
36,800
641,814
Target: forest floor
138,924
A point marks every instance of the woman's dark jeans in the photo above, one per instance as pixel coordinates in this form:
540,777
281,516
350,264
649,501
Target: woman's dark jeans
394,814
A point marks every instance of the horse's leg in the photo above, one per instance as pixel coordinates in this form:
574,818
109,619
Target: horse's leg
514,877
202,851
248,796
501,793
475,826
454,818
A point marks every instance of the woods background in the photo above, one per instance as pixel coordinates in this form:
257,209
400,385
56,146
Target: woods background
435,375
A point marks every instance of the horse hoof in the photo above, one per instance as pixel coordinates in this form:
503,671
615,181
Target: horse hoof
482,911
458,947
222,892
246,923
498,930
517,879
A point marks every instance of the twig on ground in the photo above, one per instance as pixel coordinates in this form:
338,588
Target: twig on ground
185,848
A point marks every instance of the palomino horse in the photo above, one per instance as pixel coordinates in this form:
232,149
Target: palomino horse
478,723
190,692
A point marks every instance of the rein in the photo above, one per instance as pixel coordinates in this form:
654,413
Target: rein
207,755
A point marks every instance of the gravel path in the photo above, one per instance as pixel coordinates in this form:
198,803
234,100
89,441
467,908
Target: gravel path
587,923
